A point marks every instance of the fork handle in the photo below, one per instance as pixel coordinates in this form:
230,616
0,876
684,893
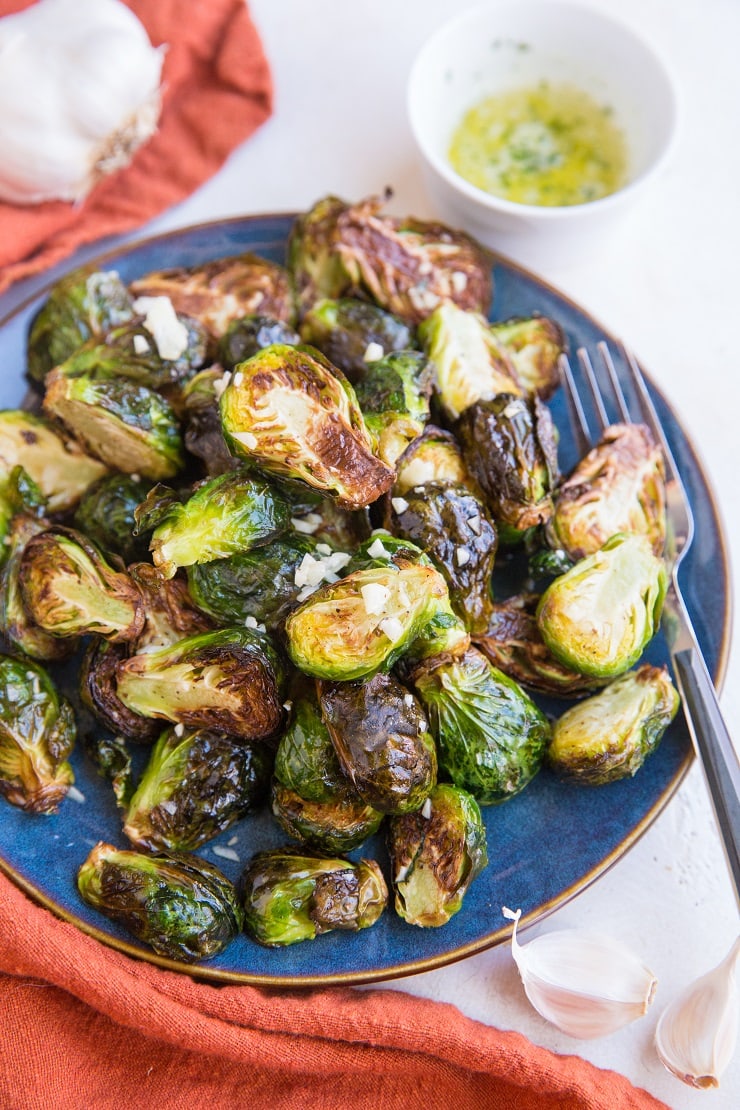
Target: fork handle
715,749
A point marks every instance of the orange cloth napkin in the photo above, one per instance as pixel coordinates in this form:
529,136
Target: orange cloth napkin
217,91
84,1026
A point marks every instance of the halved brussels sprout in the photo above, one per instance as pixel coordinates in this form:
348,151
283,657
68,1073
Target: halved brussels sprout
56,463
15,623
453,527
228,680
313,261
435,855
249,334
610,735
509,445
222,516
348,330
534,344
98,674
351,628
491,737
513,643
181,906
434,457
471,363
128,426
37,735
106,515
382,740
86,303
291,895
226,289
618,487
69,588
598,617
194,786
290,412
338,825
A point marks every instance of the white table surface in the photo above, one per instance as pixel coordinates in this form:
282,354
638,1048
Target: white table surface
667,284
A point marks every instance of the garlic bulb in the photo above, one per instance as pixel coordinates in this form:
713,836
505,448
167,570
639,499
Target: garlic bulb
79,92
696,1034
586,984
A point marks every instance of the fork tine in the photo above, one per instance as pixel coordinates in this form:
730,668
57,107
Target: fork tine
648,413
608,361
593,385
579,423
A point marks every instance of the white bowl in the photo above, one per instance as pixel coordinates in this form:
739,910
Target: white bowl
516,43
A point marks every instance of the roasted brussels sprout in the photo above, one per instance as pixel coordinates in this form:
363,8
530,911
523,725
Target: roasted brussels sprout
434,457
394,397
491,737
350,332
204,437
453,527
435,855
313,514
37,735
194,786
98,677
338,825
352,628
289,896
382,740
56,463
181,906
513,643
170,613
128,426
106,515
313,261
15,623
69,588
471,363
224,515
598,617
228,680
249,334
216,293
83,304
509,446
610,735
305,761
258,584
290,412
534,344
618,487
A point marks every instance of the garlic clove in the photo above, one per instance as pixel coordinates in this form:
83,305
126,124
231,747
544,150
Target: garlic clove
586,984
696,1034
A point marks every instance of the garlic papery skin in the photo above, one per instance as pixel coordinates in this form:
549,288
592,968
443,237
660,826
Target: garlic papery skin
79,92
696,1034
586,984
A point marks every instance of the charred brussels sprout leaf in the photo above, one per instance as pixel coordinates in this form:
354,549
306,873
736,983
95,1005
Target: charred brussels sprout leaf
598,617
471,363
290,412
509,446
347,330
313,261
37,735
106,515
56,463
219,292
352,628
15,622
435,855
224,515
85,303
112,760
453,527
169,611
610,735
98,692
338,825
618,487
292,896
513,643
128,426
70,589
534,344
490,736
228,680
257,584
204,437
382,740
194,787
248,335
181,906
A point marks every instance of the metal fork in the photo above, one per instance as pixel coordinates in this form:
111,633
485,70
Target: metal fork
706,725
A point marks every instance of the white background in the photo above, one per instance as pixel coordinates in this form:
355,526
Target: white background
668,285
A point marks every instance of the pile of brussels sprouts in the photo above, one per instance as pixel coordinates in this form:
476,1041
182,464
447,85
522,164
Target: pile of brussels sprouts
260,506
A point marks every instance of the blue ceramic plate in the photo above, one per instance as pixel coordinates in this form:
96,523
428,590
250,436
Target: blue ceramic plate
544,846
